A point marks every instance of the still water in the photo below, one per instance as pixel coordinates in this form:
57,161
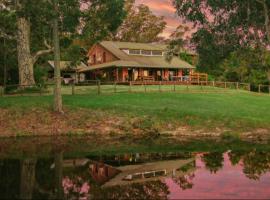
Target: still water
181,175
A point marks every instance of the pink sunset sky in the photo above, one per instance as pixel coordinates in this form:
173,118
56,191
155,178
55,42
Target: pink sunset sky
166,9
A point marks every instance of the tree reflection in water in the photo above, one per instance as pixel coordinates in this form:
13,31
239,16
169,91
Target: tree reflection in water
185,181
35,178
146,190
213,161
255,163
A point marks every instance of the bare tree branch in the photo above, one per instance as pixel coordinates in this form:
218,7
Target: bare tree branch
43,52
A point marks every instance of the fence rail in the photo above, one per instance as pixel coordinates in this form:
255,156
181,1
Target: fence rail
99,87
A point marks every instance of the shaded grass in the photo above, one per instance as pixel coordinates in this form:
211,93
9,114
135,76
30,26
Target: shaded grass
232,110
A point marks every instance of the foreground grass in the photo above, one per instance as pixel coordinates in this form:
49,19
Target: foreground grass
235,110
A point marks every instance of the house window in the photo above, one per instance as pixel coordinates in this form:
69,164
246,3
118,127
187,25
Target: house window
104,57
146,53
134,52
157,53
94,59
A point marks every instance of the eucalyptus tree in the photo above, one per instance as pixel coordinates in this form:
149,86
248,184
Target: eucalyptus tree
140,24
34,21
228,24
37,20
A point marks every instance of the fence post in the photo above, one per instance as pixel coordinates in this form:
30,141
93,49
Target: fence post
73,89
237,85
1,90
144,86
129,86
249,87
213,84
98,84
259,88
225,85
115,87
40,90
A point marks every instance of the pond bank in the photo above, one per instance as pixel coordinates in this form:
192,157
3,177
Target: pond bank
87,122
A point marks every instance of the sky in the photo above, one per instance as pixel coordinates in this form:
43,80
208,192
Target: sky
166,9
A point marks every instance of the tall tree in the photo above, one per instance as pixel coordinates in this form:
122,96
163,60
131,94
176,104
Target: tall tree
232,23
26,59
140,25
57,73
100,19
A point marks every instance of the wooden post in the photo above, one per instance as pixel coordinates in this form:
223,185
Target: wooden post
213,83
73,89
40,90
259,88
249,87
1,90
160,86
237,85
144,86
225,85
98,87
115,87
129,86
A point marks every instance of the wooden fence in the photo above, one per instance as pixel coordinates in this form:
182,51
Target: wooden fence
98,87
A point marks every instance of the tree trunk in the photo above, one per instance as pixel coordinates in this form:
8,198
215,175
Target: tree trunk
58,161
25,61
5,64
28,170
57,73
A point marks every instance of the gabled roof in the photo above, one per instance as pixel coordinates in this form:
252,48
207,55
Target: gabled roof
126,60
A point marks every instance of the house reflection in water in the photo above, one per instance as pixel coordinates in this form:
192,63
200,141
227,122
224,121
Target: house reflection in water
135,168
101,172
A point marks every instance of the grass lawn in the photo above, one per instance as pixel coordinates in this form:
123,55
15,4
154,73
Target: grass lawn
234,109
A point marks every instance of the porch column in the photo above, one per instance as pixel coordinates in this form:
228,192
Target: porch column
165,75
124,74
116,74
180,73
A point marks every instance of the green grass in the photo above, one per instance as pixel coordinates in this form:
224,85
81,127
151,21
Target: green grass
233,109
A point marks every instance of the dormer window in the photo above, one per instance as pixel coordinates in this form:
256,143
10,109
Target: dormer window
138,52
134,52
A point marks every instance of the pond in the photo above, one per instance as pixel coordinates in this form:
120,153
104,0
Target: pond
59,174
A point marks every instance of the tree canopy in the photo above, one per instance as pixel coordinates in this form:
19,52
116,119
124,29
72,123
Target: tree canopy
140,24
225,27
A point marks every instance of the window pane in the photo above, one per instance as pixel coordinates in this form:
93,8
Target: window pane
145,52
134,52
157,53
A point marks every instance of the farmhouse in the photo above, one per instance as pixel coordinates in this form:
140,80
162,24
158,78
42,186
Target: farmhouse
127,61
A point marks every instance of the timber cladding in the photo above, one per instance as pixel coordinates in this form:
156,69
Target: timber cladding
98,55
